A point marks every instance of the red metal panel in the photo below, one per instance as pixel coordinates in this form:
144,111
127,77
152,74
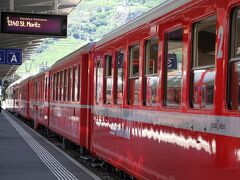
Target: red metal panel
150,151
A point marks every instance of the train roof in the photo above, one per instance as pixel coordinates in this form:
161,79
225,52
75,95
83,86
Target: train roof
83,49
40,73
19,81
146,18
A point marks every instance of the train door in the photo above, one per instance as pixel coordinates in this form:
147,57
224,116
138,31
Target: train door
83,95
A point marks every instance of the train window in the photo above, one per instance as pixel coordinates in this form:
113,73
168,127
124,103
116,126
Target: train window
133,79
69,83
36,90
134,61
151,56
65,85
108,79
60,85
173,67
79,83
42,81
234,63
75,84
99,78
151,79
46,88
203,70
54,86
118,94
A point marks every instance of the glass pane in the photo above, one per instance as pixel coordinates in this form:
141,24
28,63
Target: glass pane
203,88
46,88
79,83
99,81
174,67
151,56
54,86
237,34
151,90
134,61
119,94
204,53
60,85
65,85
75,84
69,83
108,79
134,86
57,93
108,90
235,85
108,66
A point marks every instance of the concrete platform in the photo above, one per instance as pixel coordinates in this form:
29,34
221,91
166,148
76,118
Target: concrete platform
25,155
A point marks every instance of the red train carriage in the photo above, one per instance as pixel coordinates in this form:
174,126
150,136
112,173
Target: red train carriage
10,98
21,96
158,98
39,99
166,93
69,110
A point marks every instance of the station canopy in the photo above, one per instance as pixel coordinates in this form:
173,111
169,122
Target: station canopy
29,43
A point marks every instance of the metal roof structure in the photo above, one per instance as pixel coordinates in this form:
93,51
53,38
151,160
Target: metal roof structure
29,43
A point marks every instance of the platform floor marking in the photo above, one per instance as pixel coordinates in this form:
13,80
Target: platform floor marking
54,165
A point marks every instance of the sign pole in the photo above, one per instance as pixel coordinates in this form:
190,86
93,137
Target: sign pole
11,5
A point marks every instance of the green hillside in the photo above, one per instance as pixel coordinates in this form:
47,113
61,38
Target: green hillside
88,22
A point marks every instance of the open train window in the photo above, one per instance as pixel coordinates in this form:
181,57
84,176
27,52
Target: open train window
151,78
203,64
118,94
54,86
61,85
42,89
79,83
234,63
69,83
65,85
173,67
45,88
133,79
108,79
75,84
99,78
58,86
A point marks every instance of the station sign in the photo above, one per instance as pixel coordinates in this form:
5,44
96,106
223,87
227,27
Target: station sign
172,61
34,24
10,56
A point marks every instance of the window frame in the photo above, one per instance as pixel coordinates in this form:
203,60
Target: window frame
232,56
145,74
115,72
193,67
130,75
70,82
98,65
65,84
107,76
145,46
75,83
165,67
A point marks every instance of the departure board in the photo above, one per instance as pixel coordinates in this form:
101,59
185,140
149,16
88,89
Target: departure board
34,24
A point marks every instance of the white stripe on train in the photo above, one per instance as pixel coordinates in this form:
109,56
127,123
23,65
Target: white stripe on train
221,125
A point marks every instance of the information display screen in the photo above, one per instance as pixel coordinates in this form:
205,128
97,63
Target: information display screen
34,24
